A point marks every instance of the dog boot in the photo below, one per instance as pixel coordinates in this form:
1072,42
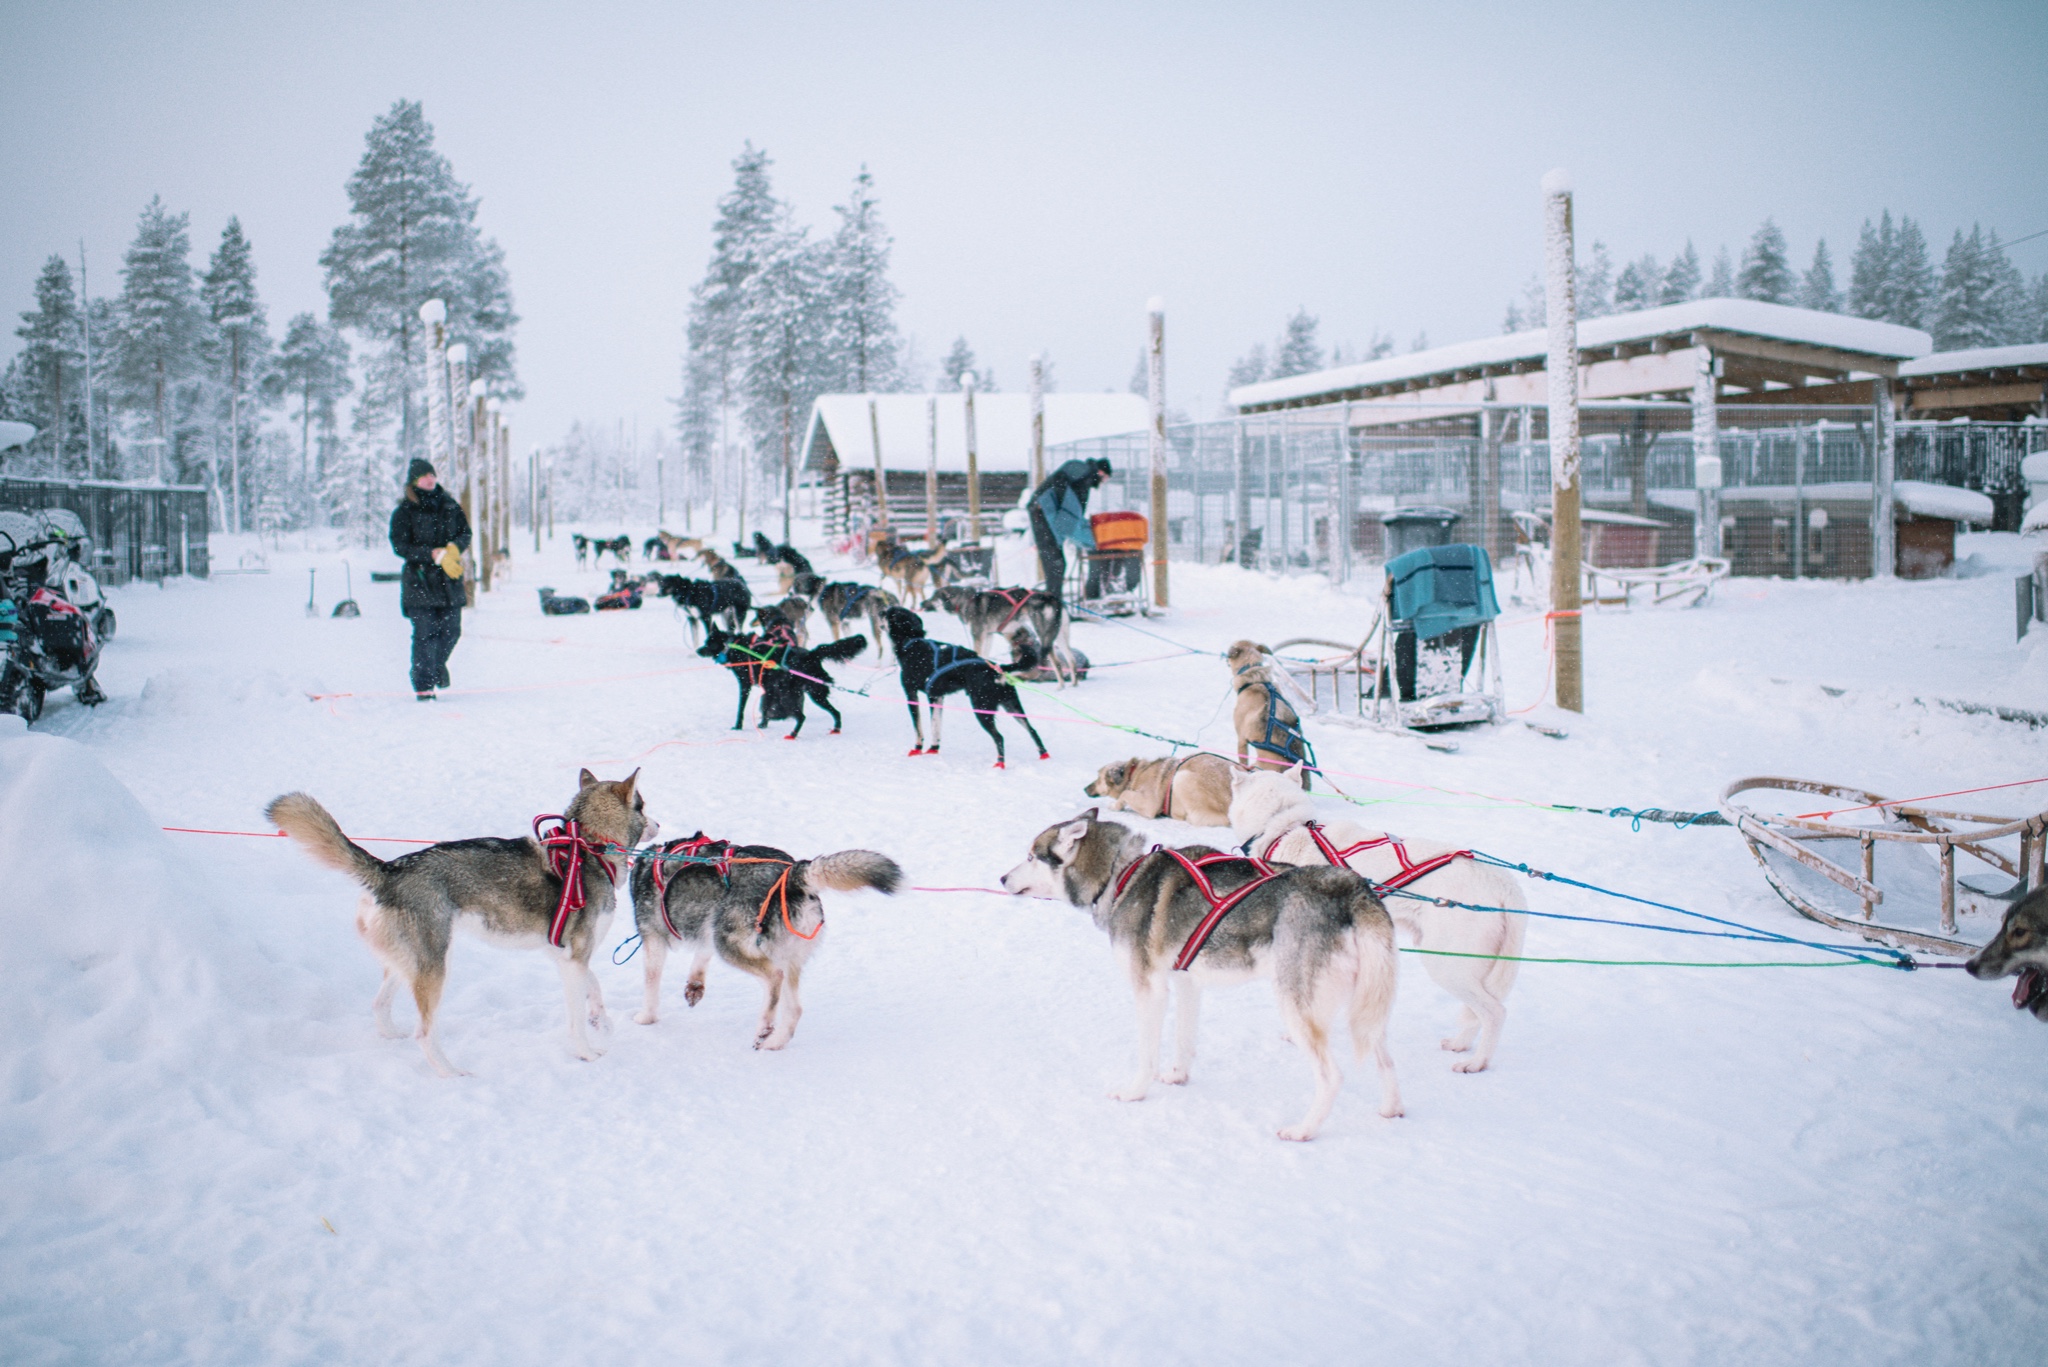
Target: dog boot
424,695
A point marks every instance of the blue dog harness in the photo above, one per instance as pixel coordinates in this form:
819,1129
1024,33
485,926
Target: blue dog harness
1292,743
946,657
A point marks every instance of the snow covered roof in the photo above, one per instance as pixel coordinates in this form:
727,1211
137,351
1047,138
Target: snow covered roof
1002,427
1741,317
1941,500
1980,358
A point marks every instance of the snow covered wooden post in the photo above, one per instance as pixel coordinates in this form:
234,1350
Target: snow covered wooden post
434,314
881,475
1038,420
973,464
931,470
1155,393
533,495
1706,458
1884,555
1560,297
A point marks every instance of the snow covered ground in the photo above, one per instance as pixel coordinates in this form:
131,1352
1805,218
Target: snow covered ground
207,1153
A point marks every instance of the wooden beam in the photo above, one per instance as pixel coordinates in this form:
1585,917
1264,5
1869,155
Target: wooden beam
2022,395
1813,360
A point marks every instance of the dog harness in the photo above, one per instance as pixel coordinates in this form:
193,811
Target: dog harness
1166,789
565,847
1220,904
853,601
1292,743
946,657
718,854
1018,599
759,663
1411,870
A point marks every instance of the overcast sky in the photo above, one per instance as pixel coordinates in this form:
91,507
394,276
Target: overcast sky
1045,168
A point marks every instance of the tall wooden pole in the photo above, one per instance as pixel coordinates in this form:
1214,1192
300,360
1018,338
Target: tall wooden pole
881,473
931,470
973,464
1560,295
1884,464
533,495
1038,420
1155,388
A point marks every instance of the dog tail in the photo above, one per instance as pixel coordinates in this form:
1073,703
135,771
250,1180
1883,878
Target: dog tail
845,648
307,822
1500,978
1372,992
851,870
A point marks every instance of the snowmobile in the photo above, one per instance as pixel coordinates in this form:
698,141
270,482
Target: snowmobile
47,641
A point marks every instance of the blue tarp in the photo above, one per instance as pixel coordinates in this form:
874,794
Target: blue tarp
1442,588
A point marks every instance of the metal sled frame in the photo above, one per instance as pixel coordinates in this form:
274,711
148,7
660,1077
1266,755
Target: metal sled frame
1123,602
1948,831
1686,582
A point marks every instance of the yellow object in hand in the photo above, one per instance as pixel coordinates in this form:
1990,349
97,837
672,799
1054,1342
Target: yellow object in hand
449,558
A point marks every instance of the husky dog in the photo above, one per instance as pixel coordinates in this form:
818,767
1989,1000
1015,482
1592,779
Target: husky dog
1193,788
911,570
704,601
506,889
582,545
620,546
1277,812
2020,946
555,605
1319,934
786,674
754,904
990,612
1263,721
668,546
715,564
840,600
936,669
788,620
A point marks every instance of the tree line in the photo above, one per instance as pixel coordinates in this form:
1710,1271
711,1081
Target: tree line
189,385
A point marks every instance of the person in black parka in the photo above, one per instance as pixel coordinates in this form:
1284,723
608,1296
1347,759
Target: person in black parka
429,533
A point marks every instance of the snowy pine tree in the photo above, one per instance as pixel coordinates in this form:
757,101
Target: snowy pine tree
1638,285
958,363
1511,321
1721,284
1766,271
1682,280
1817,287
161,327
1298,352
749,216
1872,292
411,237
862,301
237,350
1913,278
782,326
51,372
2034,323
1983,298
313,369
1380,346
1595,284
1249,368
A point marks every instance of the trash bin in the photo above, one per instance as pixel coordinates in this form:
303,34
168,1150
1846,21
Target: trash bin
1413,528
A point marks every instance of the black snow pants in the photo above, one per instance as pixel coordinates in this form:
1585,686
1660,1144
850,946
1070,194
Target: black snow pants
1051,559
434,634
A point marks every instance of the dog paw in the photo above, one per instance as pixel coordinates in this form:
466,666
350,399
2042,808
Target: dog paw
916,750
1456,1045
775,1041
394,1032
1135,1093
833,732
1176,1077
790,736
998,764
645,1018
1393,1111
1045,754
1296,1134
693,994
1469,1065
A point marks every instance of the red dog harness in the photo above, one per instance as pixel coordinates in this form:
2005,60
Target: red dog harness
718,854
1220,904
1017,599
565,847
1411,871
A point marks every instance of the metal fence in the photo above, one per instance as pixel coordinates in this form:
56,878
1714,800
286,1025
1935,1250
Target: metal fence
138,531
1291,492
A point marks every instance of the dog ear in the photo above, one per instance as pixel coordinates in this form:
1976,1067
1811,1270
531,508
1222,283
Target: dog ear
624,787
585,779
1073,833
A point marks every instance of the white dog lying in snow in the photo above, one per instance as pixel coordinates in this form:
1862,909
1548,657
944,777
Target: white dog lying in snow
1272,804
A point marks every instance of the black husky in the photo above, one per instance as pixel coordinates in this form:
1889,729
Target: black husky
705,599
786,673
937,668
772,554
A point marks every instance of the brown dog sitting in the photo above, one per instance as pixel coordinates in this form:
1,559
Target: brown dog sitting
1264,722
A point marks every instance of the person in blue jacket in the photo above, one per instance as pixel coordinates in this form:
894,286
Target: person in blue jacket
1059,513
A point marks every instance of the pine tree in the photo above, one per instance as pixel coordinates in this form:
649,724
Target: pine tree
1817,287
1595,284
1912,276
1511,321
782,326
1298,352
2035,322
862,301
1983,298
160,330
1721,284
1140,382
238,347
1766,272
413,237
1872,291
1421,342
1380,347
1249,368
741,236
959,362
51,369
313,366
1682,281
1638,285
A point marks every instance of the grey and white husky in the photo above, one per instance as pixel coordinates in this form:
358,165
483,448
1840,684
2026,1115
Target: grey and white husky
1480,948
2020,946
1318,933
755,905
504,889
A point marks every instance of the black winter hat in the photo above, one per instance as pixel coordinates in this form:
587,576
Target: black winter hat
416,469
